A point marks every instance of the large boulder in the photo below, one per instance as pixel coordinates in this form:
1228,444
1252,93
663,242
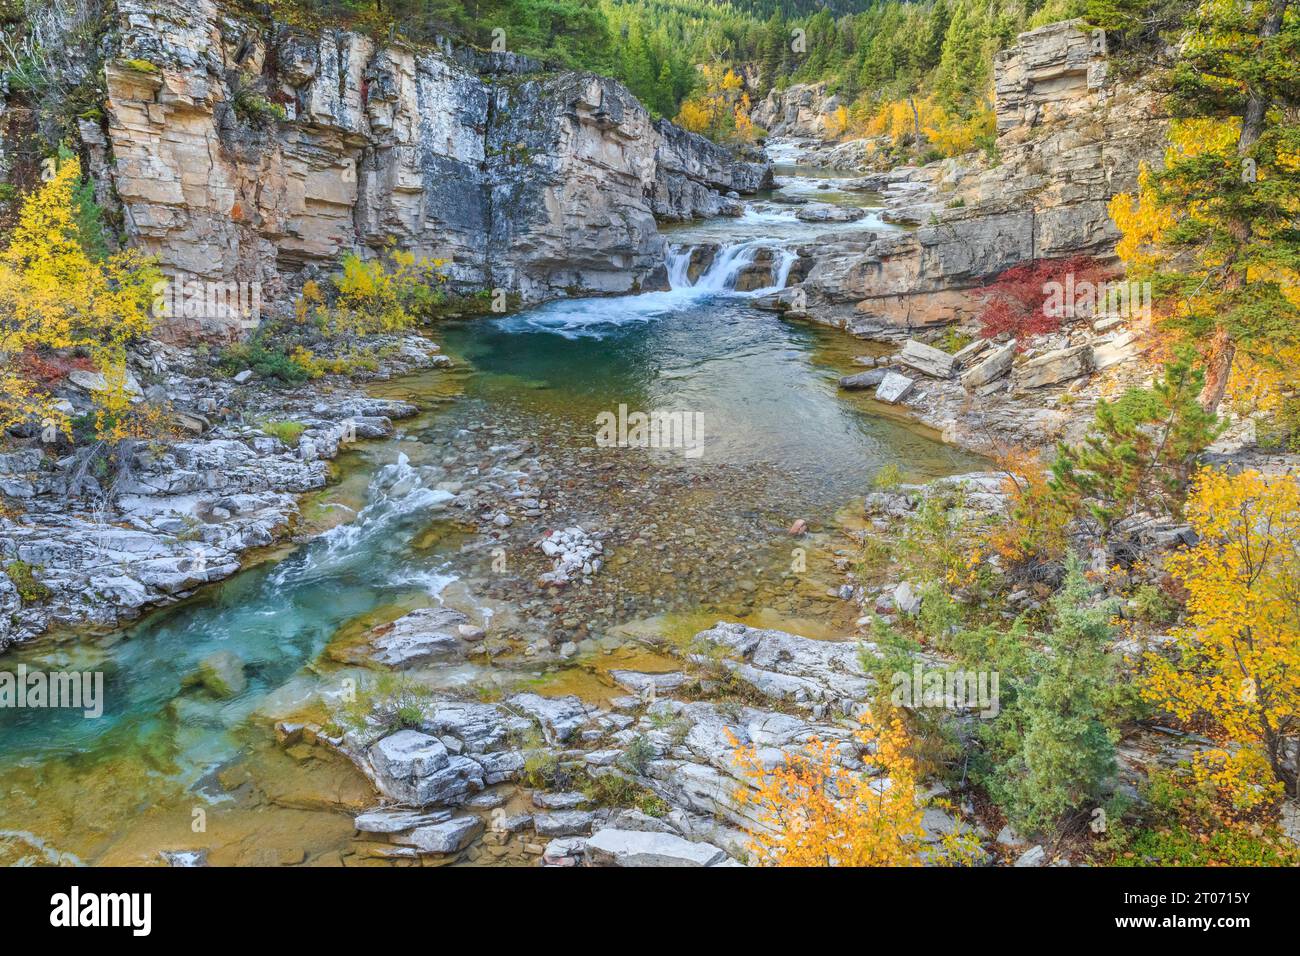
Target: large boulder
415,768
990,368
893,388
927,359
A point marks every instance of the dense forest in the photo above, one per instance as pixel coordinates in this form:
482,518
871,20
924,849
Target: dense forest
869,53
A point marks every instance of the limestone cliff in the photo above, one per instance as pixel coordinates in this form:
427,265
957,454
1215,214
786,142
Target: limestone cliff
1069,139
242,150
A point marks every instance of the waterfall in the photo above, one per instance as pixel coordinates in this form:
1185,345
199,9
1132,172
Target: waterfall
593,318
728,262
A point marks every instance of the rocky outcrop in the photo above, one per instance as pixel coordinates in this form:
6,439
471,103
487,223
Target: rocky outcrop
1069,140
245,153
798,111
177,516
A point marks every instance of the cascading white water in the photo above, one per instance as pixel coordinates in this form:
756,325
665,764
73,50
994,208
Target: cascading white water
728,262
574,318
397,492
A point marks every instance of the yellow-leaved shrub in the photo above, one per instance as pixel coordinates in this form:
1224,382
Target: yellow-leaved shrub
55,296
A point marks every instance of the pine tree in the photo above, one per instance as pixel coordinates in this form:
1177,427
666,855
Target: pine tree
1230,271
1140,450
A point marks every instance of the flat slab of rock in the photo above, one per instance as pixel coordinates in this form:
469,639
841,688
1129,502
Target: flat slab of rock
563,823
926,359
788,667
643,848
893,388
640,683
451,836
827,212
990,368
398,821
429,634
1057,366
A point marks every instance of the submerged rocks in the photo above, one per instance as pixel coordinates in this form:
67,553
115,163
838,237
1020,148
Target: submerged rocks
221,674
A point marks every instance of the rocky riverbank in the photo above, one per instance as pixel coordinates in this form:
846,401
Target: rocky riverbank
98,550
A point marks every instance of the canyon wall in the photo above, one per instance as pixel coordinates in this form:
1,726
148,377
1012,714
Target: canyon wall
1069,139
247,151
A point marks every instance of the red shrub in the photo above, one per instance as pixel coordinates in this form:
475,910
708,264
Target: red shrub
50,367
1018,303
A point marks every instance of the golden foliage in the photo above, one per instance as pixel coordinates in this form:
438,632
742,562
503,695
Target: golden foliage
376,296
1038,515
1237,674
721,111
813,811
949,133
53,295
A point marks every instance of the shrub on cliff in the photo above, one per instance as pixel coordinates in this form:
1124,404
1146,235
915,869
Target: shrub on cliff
376,296
1052,749
1140,451
1019,302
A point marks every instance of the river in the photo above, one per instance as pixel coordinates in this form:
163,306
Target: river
693,537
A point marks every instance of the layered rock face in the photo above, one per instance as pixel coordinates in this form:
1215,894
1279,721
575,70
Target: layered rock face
537,183
1069,140
797,111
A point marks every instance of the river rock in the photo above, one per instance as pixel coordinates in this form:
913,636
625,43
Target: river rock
788,667
451,836
563,823
893,388
992,367
868,379
926,359
397,821
1052,367
634,848
559,717
645,685
222,674
827,212
424,635
415,768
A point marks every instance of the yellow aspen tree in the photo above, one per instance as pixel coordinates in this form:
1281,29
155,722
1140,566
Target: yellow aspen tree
1236,671
813,811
